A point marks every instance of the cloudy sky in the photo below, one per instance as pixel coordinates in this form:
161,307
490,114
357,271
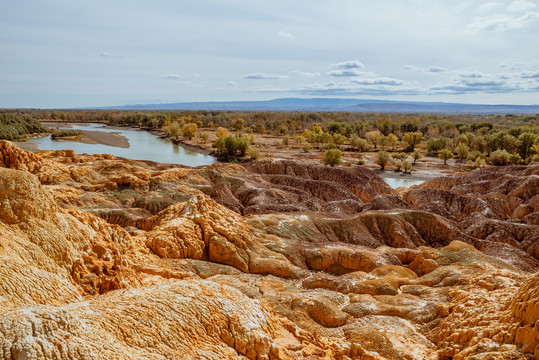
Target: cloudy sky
60,53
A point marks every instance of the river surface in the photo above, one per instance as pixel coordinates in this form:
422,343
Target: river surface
142,146
395,183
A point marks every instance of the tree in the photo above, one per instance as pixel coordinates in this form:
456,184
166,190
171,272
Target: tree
339,139
412,139
392,140
358,143
332,157
434,145
525,142
445,155
238,124
416,155
189,130
221,132
382,159
173,130
231,145
372,137
462,151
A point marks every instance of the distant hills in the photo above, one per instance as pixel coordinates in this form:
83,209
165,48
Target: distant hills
344,105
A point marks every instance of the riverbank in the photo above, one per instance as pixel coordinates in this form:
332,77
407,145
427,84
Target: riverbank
90,136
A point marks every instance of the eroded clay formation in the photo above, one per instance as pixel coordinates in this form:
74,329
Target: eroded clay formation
110,258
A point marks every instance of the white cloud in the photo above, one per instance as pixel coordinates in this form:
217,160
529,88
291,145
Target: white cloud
285,35
231,83
378,81
521,5
347,65
489,6
306,74
263,76
171,77
471,74
500,23
349,73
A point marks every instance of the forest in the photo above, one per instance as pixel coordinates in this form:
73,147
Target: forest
480,139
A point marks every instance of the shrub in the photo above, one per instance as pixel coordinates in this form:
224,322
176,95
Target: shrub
382,159
499,157
12,126
306,147
65,133
231,145
515,159
221,132
408,167
474,155
332,157
286,140
359,143
253,152
480,162
416,155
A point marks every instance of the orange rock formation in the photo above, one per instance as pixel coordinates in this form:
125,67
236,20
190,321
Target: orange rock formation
114,258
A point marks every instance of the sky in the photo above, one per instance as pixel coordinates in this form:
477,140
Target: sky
81,53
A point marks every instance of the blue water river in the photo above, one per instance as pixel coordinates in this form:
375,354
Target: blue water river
142,146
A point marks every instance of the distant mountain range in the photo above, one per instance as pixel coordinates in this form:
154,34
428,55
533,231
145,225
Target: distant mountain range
344,105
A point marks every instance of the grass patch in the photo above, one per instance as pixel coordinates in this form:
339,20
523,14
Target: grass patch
65,133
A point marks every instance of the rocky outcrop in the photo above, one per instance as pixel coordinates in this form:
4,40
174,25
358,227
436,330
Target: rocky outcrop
274,259
72,251
11,156
191,319
202,229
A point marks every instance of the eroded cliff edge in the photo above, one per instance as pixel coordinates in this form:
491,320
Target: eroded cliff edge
277,259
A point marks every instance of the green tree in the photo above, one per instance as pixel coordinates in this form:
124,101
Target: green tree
445,155
332,157
372,137
434,145
392,140
525,142
358,143
412,139
462,151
